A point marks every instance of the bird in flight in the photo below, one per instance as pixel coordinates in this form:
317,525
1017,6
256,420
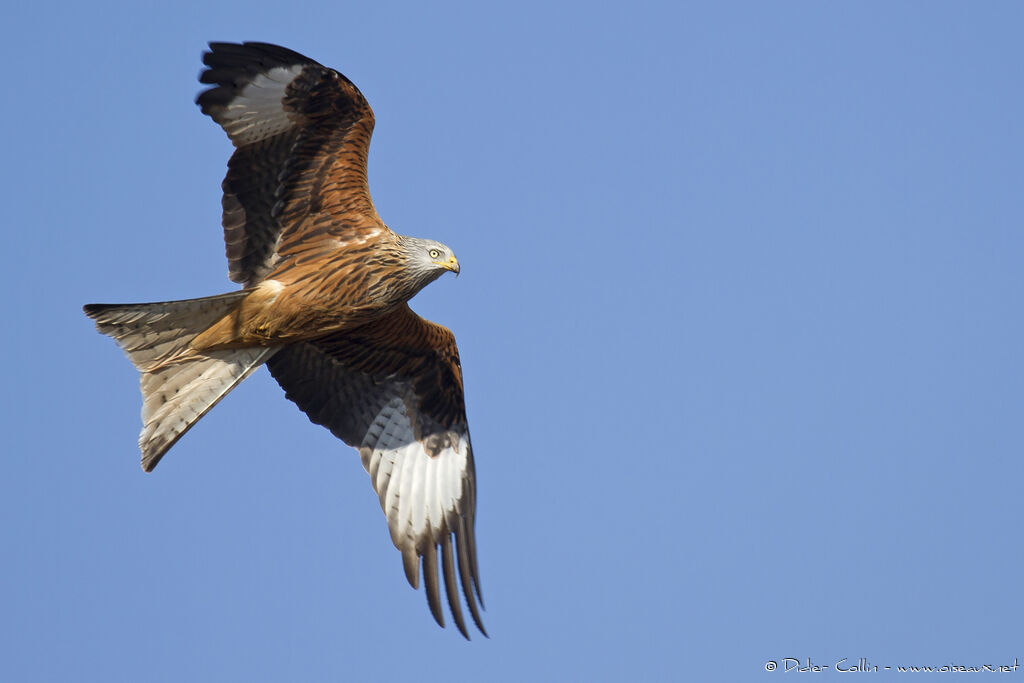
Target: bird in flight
325,286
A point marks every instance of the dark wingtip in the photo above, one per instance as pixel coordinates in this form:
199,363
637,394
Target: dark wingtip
93,310
232,66
451,584
467,572
411,564
431,587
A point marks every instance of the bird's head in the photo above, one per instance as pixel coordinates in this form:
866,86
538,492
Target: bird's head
428,259
441,256
431,256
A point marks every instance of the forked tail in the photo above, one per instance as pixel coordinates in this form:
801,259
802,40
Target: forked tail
178,385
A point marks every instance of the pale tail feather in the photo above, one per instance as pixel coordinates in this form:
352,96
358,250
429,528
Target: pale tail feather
178,386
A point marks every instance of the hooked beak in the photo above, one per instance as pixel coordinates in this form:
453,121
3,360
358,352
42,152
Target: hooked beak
452,265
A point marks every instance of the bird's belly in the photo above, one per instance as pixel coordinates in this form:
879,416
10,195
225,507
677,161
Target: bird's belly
275,314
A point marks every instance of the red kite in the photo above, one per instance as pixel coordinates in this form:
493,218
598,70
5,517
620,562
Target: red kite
324,305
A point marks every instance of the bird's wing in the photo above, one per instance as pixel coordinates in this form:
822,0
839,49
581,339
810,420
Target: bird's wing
393,390
297,178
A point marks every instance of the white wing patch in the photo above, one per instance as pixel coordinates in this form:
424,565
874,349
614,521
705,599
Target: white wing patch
258,112
417,491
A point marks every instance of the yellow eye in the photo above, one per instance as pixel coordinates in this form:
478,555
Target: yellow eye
434,253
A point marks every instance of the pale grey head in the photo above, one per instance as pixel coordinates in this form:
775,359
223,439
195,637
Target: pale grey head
427,260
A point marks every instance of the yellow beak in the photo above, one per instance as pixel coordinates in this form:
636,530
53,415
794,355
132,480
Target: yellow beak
452,265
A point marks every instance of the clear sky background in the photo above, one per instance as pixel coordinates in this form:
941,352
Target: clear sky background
739,313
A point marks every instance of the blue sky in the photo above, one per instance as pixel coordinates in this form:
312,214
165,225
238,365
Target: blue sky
739,314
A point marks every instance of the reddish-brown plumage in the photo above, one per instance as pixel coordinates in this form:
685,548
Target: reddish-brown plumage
324,305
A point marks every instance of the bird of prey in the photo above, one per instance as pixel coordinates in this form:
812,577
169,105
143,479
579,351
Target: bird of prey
325,286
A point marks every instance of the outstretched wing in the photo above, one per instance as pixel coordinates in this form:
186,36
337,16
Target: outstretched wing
297,178
393,390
